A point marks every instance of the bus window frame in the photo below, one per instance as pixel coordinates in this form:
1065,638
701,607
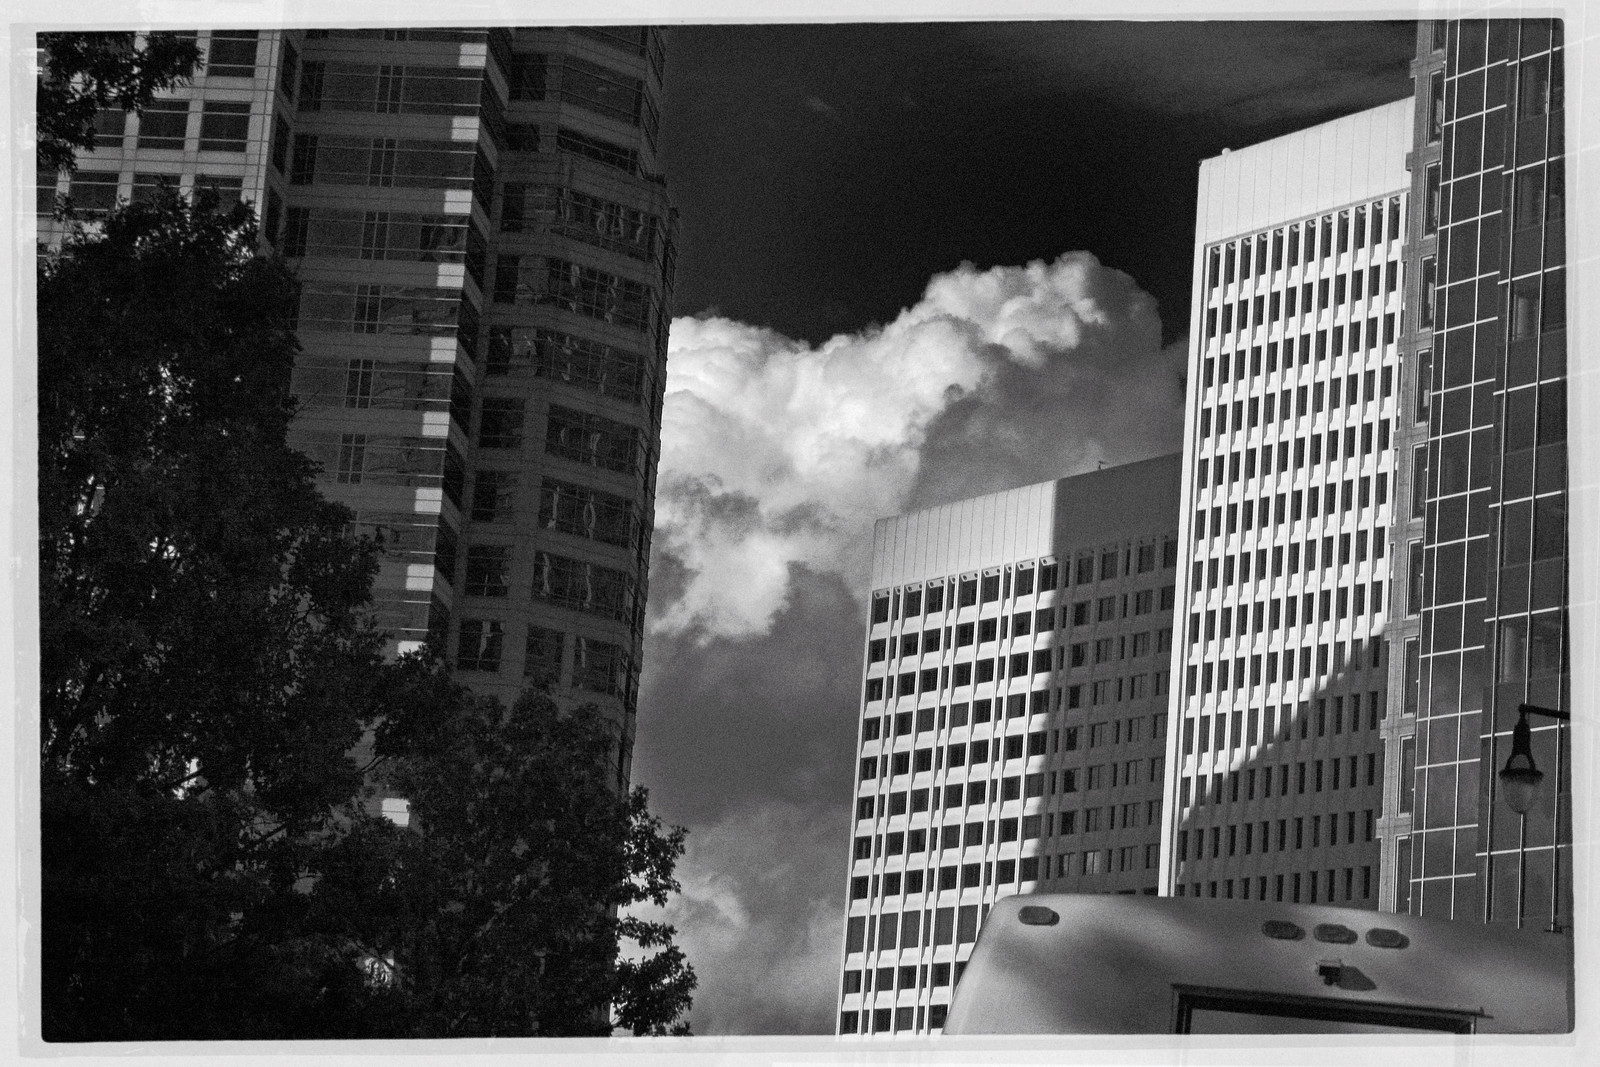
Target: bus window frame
1186,999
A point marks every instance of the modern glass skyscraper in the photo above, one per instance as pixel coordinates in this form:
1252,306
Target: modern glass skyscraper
1013,722
486,256
1482,540
1274,758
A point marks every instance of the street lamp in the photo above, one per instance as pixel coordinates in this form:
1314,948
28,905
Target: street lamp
1519,781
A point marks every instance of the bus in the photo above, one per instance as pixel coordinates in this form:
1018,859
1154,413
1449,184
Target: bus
1067,963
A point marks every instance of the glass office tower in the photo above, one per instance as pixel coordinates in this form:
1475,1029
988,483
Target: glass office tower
1482,541
485,254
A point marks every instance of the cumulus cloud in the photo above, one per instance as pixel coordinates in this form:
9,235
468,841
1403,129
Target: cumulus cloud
777,453
777,457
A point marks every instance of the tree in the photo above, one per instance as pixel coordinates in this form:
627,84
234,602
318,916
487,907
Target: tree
207,658
209,666
502,915
84,73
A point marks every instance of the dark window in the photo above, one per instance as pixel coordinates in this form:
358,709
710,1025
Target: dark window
165,124
232,54
480,645
224,127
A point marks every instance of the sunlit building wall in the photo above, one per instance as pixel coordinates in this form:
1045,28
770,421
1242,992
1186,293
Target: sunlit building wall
1012,725
1278,714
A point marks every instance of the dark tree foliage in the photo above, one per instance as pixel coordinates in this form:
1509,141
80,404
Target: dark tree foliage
209,671
206,657
501,907
83,73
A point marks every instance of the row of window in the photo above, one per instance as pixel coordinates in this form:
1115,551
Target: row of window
968,590
575,584
909,976
895,1020
1307,448
1270,616
1290,307
571,79
375,235
1216,677
375,308
579,436
95,192
224,126
597,666
585,364
1021,624
389,89
383,162
1342,773
1106,650
1291,887
574,287
1230,731
1335,497
1002,874
1052,783
907,723
984,671
1304,242
566,507
957,836
583,216
1251,363
1290,404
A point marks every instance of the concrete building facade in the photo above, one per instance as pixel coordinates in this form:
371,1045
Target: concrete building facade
1278,714
1012,723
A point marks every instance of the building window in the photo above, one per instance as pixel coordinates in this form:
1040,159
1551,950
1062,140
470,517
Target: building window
164,124
500,422
1533,87
584,586
492,495
352,458
232,54
93,192
358,384
487,567
586,512
590,439
597,149
542,659
224,127
480,643
600,667
303,161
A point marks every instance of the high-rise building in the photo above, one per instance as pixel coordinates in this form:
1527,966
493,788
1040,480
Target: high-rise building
1481,538
485,255
1013,722
1275,754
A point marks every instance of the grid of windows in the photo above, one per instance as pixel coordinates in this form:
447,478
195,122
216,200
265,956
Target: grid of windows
1491,573
1286,570
998,755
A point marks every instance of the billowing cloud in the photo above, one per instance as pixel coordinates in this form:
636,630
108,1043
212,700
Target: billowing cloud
777,457
777,453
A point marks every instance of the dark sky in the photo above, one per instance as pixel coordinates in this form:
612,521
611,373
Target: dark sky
824,172
834,362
